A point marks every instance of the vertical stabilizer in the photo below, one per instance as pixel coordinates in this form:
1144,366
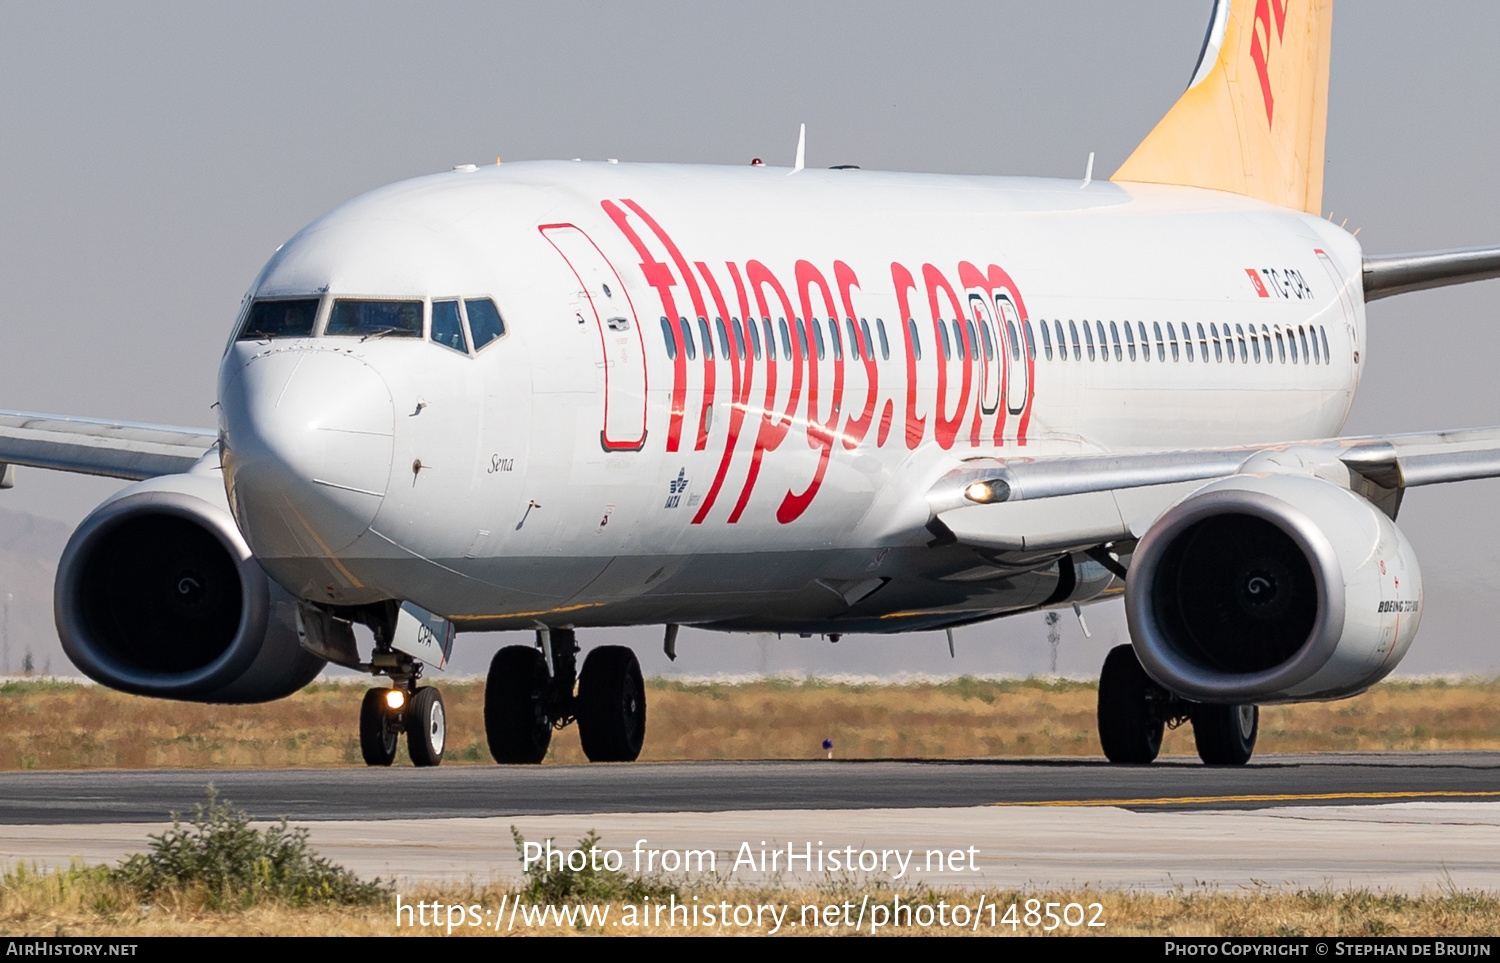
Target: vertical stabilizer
1253,119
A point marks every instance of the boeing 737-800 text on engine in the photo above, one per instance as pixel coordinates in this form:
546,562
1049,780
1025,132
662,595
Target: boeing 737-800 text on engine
553,396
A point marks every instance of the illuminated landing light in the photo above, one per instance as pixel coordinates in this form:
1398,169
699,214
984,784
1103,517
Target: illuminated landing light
395,698
984,492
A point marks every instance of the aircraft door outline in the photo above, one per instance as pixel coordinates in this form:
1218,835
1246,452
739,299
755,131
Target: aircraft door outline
1017,373
623,350
992,369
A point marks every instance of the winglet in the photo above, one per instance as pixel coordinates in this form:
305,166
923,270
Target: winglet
1253,119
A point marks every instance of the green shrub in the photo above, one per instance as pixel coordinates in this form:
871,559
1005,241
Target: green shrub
546,884
219,855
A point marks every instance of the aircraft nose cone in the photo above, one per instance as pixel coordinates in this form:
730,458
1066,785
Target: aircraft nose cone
307,441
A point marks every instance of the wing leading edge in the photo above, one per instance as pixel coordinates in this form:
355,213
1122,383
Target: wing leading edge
92,446
1071,502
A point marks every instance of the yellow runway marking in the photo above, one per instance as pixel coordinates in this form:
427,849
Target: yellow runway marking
1278,797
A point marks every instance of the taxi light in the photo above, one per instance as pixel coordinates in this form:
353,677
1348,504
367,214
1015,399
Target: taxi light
395,698
979,492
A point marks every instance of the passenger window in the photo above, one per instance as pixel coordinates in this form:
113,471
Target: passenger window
1202,342
669,339
947,344
1046,341
723,338
834,340
280,319
770,339
1030,341
853,339
1103,344
989,342
376,319
1172,337
447,329
916,341
687,339
1088,336
485,324
754,330
1239,332
801,336
1327,355
864,331
1077,347
973,342
885,345
1129,341
1114,337
708,339
786,340
739,339
817,333
1140,326
1280,347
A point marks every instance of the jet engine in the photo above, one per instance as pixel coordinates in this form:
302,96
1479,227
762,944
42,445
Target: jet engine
158,594
1269,588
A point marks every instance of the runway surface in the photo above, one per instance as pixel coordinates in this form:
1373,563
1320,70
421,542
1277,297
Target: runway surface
1408,822
477,791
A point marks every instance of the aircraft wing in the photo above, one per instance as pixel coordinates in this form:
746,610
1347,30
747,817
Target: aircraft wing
1073,502
92,446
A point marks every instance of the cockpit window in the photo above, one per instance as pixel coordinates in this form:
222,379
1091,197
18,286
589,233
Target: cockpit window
484,321
280,319
376,319
447,329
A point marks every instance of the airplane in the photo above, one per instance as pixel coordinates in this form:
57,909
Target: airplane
557,396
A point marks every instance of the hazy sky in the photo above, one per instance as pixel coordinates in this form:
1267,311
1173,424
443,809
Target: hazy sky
156,154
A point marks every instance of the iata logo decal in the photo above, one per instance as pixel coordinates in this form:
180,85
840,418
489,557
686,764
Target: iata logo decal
675,488
1260,44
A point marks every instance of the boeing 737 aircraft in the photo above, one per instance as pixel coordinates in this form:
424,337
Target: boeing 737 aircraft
558,396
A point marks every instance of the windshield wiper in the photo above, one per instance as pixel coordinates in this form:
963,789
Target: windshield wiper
378,334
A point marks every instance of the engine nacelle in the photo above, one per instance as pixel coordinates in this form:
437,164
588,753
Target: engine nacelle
158,594
1272,588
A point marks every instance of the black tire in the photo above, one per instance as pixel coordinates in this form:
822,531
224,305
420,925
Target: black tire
1225,734
611,705
516,723
377,740
426,727
1128,730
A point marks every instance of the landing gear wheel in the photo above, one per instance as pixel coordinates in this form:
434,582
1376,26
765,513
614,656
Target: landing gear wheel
1225,734
516,723
426,727
1128,728
611,705
377,736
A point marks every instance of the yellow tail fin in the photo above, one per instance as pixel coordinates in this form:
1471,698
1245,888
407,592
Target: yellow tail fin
1252,121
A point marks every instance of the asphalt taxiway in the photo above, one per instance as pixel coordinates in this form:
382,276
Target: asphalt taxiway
1398,821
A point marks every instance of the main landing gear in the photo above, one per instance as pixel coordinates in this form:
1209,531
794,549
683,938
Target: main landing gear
1134,712
530,692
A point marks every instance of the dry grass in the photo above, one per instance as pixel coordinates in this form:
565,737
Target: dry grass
50,725
82,902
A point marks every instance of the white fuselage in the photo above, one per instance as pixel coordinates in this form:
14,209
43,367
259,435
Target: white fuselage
584,469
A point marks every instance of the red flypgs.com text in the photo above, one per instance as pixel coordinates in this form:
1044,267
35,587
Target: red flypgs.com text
927,301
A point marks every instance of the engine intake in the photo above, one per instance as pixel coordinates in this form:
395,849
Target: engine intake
1265,588
158,594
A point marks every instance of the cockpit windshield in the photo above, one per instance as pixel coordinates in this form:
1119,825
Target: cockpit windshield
292,318
376,319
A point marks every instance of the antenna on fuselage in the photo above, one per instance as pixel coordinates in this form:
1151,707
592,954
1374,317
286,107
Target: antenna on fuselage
1088,172
801,150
